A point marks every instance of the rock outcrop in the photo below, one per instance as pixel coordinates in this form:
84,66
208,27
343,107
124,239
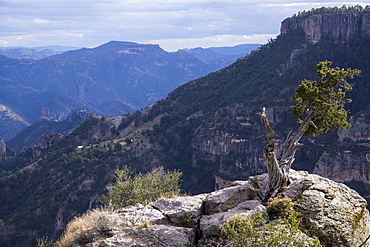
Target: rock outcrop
78,116
47,125
45,114
329,211
360,130
344,166
348,160
44,142
336,27
2,147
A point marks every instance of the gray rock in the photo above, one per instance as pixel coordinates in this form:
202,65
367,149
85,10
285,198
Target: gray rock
128,237
339,27
2,147
158,235
136,216
172,235
179,208
331,211
210,224
222,200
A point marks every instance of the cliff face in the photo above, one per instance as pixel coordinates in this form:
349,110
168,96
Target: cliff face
348,159
234,138
2,147
360,130
338,28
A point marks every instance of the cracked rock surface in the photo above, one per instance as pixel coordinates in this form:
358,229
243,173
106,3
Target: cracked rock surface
329,211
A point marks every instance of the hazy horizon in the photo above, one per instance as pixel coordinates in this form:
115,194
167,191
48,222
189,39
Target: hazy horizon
171,24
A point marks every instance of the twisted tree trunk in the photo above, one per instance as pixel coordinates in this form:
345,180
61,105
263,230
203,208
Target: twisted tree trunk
279,170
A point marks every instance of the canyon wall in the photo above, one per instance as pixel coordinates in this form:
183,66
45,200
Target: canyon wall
338,27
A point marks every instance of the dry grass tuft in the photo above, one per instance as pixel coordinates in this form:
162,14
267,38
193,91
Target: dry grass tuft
76,229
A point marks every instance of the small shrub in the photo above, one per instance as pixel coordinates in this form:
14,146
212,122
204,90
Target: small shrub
103,226
81,230
186,220
44,242
241,229
280,207
254,230
142,188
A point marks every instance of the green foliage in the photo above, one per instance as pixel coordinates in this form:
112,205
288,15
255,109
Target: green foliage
356,9
44,242
142,188
254,230
187,220
280,207
2,223
324,99
241,229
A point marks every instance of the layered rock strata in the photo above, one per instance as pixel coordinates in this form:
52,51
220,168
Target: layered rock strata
336,27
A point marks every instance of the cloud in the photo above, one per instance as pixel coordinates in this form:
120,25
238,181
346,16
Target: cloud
212,41
186,23
39,39
309,5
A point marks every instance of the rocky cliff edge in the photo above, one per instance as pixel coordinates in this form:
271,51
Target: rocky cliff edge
336,27
329,211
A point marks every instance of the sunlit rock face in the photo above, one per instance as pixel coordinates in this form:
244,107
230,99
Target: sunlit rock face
338,28
330,212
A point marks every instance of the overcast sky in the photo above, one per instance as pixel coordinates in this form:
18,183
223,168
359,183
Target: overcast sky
173,24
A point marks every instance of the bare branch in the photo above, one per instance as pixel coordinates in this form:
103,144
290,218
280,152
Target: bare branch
279,170
276,176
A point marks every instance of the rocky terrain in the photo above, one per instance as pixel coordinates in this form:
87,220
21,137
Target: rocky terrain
339,27
329,211
47,124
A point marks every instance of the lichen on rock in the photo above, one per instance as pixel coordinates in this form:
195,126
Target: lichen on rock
328,211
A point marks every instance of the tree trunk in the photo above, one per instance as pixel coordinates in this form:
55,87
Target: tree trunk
279,170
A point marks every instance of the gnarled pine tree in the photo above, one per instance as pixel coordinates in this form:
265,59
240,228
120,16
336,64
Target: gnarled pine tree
322,106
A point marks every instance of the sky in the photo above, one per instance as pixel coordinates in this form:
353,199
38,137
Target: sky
173,24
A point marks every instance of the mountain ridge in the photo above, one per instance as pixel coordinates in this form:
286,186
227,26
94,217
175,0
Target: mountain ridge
344,27
111,79
126,81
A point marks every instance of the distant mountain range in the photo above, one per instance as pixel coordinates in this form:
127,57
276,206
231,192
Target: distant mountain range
35,53
222,56
112,79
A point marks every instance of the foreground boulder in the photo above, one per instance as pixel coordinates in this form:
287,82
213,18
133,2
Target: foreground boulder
334,213
330,212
